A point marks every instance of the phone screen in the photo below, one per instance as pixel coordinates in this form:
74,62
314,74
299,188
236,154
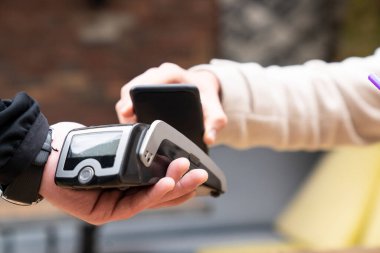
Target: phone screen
177,105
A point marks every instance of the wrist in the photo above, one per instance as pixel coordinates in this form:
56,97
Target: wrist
48,188
47,181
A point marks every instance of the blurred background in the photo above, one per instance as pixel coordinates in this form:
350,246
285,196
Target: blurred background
73,56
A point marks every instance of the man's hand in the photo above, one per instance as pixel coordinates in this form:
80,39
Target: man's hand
101,206
168,73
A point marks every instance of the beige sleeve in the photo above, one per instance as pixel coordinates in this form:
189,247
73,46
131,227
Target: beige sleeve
316,105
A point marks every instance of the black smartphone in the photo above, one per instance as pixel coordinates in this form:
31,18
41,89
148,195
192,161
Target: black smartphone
179,105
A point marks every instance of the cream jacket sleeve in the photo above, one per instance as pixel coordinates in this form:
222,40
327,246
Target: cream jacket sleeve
316,105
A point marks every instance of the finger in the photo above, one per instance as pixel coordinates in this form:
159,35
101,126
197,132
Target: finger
124,111
166,73
188,183
124,106
215,120
177,201
214,117
178,168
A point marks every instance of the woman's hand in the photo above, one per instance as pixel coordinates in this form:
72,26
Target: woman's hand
168,73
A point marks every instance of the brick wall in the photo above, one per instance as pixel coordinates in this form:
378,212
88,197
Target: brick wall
74,55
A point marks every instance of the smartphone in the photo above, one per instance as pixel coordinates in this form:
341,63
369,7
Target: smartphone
179,105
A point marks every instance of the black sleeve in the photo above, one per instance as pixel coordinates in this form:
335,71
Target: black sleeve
23,130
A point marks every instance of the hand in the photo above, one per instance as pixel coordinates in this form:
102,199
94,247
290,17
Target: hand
214,117
101,206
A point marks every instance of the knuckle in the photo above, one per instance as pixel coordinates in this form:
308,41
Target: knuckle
168,65
222,120
124,90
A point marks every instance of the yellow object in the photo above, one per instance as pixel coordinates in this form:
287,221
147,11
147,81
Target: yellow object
331,209
254,247
371,235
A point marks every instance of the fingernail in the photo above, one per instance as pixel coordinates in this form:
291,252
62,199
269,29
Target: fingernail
211,134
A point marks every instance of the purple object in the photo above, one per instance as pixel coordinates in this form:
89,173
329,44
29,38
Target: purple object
375,80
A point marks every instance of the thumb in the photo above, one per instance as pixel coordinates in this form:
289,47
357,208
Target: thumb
215,120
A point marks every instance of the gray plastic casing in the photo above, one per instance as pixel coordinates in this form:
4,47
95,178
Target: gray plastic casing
160,131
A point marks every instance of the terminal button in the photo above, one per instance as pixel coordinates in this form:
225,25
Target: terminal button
86,174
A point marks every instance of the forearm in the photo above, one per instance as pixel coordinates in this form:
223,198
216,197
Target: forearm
312,106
